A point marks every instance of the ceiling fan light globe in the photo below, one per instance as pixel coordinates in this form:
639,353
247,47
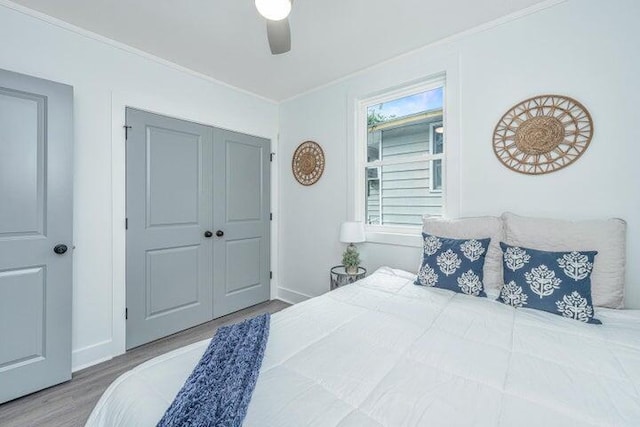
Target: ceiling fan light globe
274,10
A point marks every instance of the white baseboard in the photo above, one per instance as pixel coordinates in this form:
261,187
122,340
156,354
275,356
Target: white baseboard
292,297
91,355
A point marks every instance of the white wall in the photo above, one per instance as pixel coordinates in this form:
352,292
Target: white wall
580,48
98,71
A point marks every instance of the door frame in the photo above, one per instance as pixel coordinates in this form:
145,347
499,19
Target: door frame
179,110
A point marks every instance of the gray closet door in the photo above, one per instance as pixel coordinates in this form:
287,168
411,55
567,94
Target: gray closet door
241,195
169,174
36,172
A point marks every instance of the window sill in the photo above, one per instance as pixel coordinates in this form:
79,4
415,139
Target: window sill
411,238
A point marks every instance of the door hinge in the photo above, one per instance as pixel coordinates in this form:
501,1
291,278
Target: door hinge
126,131
271,275
270,216
126,223
126,313
271,156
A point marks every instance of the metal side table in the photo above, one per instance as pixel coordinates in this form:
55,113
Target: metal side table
340,277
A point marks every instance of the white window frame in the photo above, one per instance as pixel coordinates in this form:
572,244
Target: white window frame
361,129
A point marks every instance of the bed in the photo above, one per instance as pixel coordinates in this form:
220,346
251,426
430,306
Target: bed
384,352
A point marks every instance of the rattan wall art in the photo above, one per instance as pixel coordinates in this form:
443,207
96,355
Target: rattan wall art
308,163
543,134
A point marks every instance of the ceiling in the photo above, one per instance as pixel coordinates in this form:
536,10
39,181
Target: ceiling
226,39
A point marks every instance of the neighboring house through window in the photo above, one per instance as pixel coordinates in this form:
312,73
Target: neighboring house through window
403,159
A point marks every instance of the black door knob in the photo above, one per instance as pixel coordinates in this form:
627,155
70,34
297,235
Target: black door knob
219,233
60,249
208,234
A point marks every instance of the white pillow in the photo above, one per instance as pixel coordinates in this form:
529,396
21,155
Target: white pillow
474,228
608,237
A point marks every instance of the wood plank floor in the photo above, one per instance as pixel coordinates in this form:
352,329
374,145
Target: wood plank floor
70,404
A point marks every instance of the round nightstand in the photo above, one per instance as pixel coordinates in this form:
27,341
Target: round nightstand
340,277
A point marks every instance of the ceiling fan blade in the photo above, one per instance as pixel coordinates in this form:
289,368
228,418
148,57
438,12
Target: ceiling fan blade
279,35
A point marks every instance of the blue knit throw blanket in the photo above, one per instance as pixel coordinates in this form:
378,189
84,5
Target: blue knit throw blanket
218,391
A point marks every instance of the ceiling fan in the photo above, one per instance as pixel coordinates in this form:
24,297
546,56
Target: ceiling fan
278,30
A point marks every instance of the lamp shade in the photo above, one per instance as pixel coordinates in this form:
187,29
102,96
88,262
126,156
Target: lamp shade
352,232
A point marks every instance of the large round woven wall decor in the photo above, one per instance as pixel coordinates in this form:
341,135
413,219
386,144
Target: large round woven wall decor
308,163
542,134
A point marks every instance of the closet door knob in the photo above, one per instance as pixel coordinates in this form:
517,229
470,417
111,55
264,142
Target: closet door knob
219,233
60,249
208,234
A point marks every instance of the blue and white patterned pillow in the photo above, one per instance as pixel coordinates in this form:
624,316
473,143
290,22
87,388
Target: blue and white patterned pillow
557,282
454,264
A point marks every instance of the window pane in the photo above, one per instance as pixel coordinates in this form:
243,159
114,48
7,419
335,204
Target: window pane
373,196
403,128
402,187
437,138
402,195
373,145
437,175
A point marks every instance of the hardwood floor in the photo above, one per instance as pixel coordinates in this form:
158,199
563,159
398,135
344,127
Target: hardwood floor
70,404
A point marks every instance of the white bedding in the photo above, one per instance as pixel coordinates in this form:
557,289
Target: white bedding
384,352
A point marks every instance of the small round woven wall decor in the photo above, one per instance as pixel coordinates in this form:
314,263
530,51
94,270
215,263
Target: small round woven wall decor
308,163
542,134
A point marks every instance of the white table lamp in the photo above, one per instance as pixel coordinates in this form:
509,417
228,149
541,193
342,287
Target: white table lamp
352,232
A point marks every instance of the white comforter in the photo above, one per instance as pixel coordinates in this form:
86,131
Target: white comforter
383,352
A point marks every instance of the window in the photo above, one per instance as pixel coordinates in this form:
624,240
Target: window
402,145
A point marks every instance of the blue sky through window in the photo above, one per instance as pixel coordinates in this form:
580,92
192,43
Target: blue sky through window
409,105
